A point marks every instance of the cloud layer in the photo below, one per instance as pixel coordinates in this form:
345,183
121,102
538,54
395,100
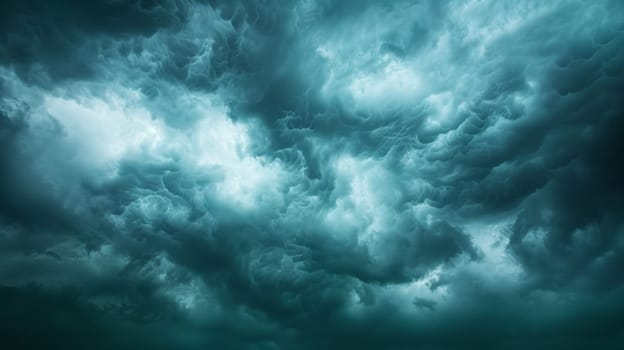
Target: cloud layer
311,174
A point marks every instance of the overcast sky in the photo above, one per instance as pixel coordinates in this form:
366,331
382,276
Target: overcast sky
312,174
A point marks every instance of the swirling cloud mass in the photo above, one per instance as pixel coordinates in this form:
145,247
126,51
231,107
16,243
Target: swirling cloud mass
311,174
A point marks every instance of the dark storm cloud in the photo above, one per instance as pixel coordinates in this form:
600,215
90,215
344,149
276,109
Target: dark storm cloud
407,255
311,174
44,40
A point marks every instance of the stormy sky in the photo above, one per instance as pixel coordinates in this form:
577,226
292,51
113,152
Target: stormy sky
311,174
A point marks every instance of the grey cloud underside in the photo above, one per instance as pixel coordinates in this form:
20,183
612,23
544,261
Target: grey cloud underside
311,174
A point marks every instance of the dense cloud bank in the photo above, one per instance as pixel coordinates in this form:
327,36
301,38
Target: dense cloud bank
311,174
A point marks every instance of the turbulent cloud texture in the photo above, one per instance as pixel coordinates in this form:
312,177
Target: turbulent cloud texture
312,174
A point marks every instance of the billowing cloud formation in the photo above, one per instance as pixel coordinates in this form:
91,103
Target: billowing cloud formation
311,174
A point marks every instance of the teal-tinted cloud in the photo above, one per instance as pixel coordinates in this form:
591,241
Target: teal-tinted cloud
311,174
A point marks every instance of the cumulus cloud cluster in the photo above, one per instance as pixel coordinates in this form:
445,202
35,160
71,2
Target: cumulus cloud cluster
311,174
